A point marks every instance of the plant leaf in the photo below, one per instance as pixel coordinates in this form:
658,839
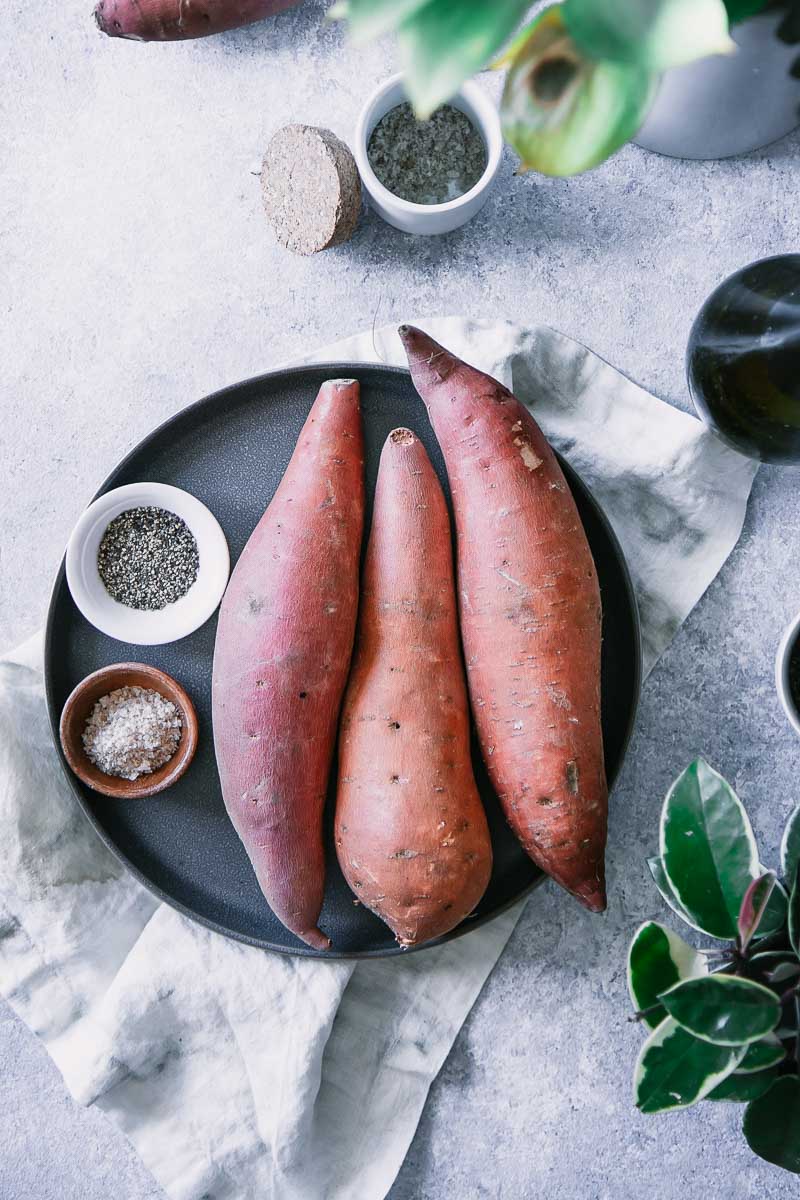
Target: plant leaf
744,1087
790,846
707,849
774,917
652,34
656,868
772,1124
658,959
372,18
766,958
754,905
783,972
564,112
794,913
675,1069
723,1009
445,41
740,10
767,1052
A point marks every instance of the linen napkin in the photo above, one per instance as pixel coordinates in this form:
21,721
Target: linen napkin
238,1073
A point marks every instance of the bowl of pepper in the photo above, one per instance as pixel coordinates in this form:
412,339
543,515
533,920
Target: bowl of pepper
787,672
147,563
128,730
432,176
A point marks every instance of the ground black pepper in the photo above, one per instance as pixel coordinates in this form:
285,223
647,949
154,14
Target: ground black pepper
148,558
427,162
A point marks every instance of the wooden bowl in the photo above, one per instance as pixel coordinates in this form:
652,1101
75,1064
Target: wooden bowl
80,704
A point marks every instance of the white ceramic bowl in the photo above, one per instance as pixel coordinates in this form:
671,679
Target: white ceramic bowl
782,660
429,218
143,628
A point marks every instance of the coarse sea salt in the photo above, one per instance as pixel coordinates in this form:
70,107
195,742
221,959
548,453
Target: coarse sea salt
131,732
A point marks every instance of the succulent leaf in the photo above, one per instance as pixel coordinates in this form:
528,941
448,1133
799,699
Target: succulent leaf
783,972
754,906
740,1088
657,960
772,1124
774,918
675,1069
723,1009
767,1052
707,849
656,869
790,846
794,913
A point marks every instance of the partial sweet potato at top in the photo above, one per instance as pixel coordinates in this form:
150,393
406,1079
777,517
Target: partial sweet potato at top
530,617
411,834
175,20
284,641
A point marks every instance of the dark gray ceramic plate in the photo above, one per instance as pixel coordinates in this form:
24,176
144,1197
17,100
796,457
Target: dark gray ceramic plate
230,451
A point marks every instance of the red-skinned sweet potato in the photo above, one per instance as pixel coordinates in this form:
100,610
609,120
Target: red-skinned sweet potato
411,834
530,617
175,20
284,641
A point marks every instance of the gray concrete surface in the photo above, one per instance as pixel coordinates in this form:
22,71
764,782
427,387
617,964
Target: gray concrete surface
138,273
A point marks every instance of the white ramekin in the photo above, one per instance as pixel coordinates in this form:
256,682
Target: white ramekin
429,218
133,625
782,660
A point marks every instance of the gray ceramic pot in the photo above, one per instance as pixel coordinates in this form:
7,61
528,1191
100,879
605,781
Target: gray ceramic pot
727,104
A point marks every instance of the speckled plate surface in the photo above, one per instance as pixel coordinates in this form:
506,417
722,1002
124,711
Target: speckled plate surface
230,450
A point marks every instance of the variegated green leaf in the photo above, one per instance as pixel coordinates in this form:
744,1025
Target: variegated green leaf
740,1088
783,972
794,913
790,847
724,1009
653,34
767,1052
707,849
657,960
774,917
656,868
772,1124
754,906
765,960
675,1069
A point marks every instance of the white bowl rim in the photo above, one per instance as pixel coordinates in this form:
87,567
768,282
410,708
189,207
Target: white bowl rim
154,627
782,658
489,119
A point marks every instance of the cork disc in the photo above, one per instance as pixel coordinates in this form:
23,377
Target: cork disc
311,189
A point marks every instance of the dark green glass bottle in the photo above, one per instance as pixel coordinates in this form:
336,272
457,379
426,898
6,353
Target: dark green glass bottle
743,360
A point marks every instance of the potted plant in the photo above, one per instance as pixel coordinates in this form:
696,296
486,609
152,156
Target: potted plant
731,103
724,1021
582,75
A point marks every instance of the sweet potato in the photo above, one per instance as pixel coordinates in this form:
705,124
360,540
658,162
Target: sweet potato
284,641
530,617
411,833
174,20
